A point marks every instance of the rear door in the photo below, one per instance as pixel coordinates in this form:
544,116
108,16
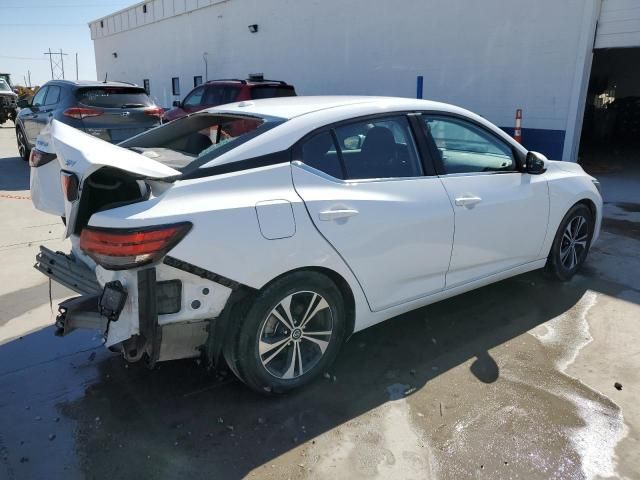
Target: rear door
364,187
501,213
115,113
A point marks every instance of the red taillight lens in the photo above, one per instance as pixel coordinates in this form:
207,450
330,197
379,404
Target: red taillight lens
82,112
70,185
39,158
154,112
121,249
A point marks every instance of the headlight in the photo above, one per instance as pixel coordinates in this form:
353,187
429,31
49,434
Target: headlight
598,186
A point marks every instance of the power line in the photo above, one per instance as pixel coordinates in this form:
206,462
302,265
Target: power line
22,58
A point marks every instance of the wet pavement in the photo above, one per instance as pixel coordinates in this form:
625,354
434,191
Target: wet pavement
514,380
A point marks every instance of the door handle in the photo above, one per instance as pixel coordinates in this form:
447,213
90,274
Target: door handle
337,214
467,200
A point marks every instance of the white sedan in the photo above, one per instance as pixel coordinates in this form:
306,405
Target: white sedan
268,232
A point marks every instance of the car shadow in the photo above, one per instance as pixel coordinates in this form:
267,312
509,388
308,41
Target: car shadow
15,173
179,421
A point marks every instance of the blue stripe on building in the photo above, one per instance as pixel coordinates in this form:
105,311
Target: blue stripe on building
547,142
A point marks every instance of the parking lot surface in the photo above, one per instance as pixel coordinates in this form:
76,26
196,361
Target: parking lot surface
526,378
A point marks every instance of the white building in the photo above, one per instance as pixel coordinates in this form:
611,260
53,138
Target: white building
492,57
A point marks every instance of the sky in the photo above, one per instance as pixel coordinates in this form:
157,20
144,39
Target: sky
31,27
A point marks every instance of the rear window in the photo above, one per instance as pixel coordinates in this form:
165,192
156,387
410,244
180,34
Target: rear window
190,142
270,91
113,97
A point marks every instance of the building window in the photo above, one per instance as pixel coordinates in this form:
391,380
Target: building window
197,80
175,85
101,24
147,86
144,8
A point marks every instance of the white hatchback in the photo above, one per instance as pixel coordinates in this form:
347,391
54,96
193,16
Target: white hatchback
268,232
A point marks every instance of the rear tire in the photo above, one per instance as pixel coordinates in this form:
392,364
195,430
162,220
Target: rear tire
571,243
23,145
289,335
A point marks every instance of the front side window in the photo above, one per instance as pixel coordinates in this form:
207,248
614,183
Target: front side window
194,98
53,95
467,148
38,100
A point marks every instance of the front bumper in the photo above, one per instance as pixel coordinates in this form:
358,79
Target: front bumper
160,312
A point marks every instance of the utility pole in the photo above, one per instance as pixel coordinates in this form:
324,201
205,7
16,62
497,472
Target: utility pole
29,77
206,67
56,64
76,66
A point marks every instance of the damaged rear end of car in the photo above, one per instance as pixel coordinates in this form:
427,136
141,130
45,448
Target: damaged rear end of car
147,304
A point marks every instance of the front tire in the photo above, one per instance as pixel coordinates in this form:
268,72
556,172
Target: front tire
572,243
290,335
23,146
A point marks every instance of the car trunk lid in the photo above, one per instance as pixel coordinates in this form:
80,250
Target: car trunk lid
81,154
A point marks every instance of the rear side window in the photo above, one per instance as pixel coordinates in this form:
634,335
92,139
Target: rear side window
220,94
113,97
320,153
370,149
272,92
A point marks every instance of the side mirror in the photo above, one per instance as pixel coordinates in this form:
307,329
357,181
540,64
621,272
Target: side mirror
23,103
535,163
177,103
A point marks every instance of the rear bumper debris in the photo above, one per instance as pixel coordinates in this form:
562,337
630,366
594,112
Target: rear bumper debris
67,271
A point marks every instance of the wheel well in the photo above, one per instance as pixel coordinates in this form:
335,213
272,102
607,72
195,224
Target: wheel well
590,205
342,285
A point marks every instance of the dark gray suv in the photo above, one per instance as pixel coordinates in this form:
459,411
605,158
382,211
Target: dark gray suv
112,111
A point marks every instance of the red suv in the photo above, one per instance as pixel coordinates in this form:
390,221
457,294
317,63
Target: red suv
219,92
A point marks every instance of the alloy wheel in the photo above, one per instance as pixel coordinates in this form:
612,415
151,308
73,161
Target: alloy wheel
295,335
22,148
574,242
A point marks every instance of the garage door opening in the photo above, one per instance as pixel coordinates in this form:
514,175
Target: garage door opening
610,141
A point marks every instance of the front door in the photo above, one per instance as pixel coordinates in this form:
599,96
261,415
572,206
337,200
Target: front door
364,188
30,119
501,214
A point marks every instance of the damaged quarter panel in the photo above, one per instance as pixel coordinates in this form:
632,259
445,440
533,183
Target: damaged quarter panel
234,228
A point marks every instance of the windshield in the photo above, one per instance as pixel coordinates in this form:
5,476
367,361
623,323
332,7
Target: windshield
4,86
190,142
114,97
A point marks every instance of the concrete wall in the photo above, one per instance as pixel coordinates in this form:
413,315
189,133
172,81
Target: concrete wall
492,56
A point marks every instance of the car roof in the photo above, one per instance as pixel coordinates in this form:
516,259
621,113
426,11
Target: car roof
300,116
91,83
292,107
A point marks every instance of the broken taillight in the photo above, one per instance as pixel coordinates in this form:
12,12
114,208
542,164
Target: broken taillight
119,249
70,185
82,112
39,158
